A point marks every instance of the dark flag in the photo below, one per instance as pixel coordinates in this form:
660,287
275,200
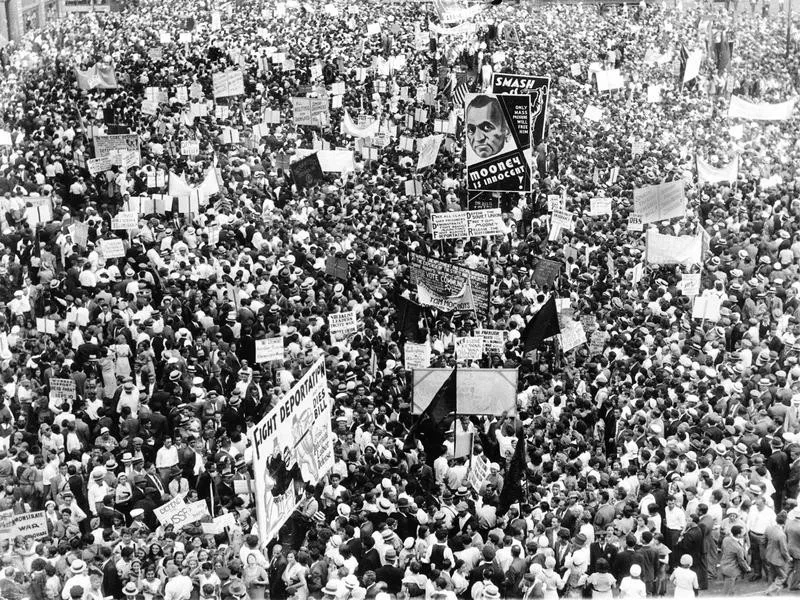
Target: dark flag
724,52
408,314
307,172
444,402
512,488
684,56
543,325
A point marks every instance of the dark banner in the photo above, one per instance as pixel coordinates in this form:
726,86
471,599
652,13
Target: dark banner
538,88
307,172
498,142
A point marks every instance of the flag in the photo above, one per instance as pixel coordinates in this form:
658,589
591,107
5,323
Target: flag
459,94
444,401
543,325
512,488
99,76
408,314
724,51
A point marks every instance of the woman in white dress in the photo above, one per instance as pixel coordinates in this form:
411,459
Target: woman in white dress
684,579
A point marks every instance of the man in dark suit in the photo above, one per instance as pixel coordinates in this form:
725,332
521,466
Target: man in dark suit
601,549
621,567
390,573
277,588
778,466
691,543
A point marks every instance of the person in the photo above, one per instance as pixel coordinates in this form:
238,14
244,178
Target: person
685,579
733,562
254,577
487,130
776,554
294,577
632,586
602,583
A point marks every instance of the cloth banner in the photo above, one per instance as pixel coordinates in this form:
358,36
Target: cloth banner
458,302
99,76
743,109
708,174
673,249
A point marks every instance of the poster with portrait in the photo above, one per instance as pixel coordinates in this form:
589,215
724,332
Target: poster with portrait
498,130
292,445
538,88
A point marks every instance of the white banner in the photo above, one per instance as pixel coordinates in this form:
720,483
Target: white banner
599,207
460,301
449,225
707,307
125,220
671,249
228,83
112,248
689,284
609,80
291,445
692,69
743,109
660,202
494,340
708,174
572,335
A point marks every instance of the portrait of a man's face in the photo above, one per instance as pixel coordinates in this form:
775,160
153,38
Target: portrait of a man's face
486,127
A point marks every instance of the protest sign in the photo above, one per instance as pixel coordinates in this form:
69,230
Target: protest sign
105,145
609,80
448,279
572,335
478,473
545,271
598,342
635,222
469,348
5,138
707,307
412,187
499,159
228,83
660,202
338,267
98,165
125,220
485,222
297,431
538,88
190,147
32,524
416,355
428,148
62,389
593,113
342,325
563,218
599,207
449,225
311,111
494,340
269,349
44,325
689,285
113,248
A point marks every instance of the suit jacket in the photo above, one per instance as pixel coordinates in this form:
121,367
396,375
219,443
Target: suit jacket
732,562
776,552
277,588
793,537
596,552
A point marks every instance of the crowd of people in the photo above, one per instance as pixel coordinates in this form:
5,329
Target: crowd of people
666,461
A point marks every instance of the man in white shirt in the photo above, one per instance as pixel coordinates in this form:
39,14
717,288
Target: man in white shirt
179,586
759,518
675,522
166,458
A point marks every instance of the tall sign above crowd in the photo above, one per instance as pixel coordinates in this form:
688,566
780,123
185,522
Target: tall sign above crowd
292,445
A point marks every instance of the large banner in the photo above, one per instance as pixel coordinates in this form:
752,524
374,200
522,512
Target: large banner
499,154
708,174
478,391
660,202
448,279
310,111
742,109
674,249
453,303
291,445
228,83
538,88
